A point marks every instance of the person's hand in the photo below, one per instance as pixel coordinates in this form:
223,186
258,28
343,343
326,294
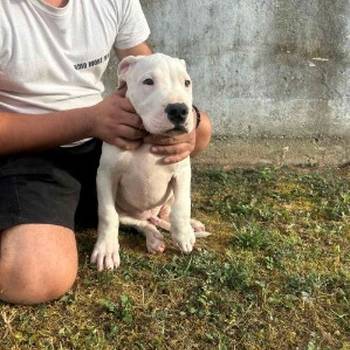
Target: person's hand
115,121
174,148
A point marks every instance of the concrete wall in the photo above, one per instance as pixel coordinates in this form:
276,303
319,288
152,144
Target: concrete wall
262,67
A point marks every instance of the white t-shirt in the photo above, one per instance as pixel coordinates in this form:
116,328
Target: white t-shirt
52,59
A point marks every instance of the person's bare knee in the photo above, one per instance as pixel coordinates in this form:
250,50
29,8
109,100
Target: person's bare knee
38,263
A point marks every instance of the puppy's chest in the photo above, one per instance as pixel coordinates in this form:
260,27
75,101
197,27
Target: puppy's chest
144,178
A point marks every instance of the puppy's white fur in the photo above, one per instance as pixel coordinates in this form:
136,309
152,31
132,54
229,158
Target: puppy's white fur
134,187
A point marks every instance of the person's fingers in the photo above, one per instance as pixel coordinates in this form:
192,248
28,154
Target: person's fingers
131,119
148,139
126,144
122,90
172,149
177,158
125,105
131,133
165,140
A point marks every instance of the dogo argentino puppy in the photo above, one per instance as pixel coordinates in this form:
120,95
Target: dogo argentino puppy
134,187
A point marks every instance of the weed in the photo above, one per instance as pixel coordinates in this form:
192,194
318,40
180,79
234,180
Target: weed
274,275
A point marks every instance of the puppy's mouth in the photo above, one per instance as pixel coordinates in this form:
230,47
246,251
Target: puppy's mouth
178,129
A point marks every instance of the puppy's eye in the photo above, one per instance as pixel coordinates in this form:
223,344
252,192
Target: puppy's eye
148,81
187,83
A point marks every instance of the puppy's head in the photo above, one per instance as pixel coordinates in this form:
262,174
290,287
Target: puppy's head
160,90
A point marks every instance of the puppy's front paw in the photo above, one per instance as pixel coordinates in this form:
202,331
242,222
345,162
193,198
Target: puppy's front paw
184,239
106,254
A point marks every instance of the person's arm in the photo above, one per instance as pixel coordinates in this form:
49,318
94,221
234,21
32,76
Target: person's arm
112,120
24,132
203,134
138,50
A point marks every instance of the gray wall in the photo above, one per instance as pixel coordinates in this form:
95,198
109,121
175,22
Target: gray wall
262,67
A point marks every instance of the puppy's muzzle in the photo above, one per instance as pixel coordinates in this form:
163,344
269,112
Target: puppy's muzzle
177,113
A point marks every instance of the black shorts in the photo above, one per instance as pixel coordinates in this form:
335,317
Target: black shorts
56,187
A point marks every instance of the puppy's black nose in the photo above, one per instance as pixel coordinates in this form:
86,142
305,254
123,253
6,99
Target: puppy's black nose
177,113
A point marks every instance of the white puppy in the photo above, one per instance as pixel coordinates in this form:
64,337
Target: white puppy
134,187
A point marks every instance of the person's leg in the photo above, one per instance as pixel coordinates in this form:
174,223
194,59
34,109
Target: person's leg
86,214
38,257
38,263
39,194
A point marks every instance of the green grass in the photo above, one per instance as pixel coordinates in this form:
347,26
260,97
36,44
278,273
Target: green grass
275,274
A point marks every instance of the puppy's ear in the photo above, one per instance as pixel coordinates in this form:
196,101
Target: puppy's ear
183,62
124,68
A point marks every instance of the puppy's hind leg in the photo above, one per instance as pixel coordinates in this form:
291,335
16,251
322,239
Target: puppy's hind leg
154,239
198,227
157,221
162,220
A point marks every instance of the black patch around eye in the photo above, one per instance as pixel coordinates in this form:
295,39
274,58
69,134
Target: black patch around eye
148,81
187,83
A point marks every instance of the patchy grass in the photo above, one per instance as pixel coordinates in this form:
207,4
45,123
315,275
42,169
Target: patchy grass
274,275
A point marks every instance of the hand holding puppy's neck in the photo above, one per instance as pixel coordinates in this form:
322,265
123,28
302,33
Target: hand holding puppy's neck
57,3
